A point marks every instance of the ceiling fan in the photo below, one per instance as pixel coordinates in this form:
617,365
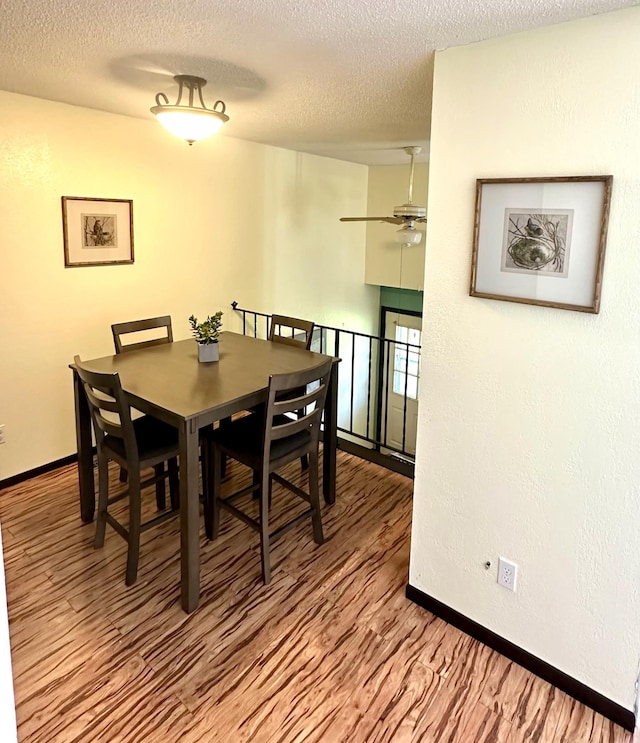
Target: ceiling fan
406,215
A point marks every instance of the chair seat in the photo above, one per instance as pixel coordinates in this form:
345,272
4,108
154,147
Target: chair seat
243,438
155,439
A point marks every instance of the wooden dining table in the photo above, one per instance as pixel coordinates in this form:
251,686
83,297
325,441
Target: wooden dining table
168,382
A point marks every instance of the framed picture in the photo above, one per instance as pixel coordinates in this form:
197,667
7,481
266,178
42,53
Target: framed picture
97,232
541,240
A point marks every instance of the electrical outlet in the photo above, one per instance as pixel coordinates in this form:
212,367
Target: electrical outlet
507,574
2,438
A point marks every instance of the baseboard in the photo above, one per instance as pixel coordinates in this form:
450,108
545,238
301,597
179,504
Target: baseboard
574,688
401,466
44,468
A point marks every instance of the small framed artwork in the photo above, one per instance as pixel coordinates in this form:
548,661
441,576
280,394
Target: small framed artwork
97,232
541,240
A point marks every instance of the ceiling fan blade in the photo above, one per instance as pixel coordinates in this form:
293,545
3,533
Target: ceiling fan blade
392,220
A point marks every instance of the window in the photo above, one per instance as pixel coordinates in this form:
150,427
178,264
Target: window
406,362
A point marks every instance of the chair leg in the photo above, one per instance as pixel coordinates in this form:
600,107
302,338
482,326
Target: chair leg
161,502
212,491
133,551
103,494
174,484
224,423
208,495
304,459
264,525
314,497
217,465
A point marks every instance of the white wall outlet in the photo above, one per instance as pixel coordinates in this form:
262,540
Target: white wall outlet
2,438
507,574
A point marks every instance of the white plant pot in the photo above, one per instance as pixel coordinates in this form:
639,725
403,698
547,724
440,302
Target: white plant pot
208,352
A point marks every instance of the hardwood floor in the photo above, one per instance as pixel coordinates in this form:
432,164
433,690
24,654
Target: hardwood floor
330,651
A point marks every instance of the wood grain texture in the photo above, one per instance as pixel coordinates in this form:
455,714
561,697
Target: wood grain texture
330,651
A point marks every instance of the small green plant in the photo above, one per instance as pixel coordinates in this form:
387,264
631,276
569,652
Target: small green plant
207,331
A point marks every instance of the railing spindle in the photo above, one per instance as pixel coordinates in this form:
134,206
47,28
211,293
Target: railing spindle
406,387
353,371
369,385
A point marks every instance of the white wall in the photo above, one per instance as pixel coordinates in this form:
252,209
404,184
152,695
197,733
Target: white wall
529,433
218,221
387,262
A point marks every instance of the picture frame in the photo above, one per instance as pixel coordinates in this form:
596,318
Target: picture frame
97,231
541,241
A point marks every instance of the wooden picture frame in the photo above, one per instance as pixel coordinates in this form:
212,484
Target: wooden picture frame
541,240
97,232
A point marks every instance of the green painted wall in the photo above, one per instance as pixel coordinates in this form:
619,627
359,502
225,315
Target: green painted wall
401,299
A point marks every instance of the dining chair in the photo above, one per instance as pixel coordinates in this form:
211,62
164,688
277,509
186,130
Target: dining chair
266,443
133,444
283,329
124,331
292,331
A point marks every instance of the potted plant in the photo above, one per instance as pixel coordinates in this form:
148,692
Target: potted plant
207,334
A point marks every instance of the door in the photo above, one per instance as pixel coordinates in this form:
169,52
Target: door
399,396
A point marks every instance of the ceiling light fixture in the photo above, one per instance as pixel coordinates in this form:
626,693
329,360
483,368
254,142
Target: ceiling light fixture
408,236
185,120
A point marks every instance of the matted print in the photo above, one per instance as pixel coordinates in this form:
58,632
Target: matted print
97,232
541,240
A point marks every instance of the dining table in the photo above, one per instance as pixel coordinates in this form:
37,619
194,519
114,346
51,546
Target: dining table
168,382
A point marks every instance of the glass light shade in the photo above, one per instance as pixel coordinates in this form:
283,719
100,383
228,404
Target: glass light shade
188,120
408,236
190,125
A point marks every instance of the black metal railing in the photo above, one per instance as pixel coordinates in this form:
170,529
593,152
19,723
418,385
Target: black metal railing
373,372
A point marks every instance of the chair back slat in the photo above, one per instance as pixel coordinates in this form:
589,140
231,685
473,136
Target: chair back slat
301,398
99,404
122,329
283,330
295,425
110,412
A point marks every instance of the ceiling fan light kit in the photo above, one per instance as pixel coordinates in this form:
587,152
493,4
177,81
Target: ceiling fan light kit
407,215
408,236
186,120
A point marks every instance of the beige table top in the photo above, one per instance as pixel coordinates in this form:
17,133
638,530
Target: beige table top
168,381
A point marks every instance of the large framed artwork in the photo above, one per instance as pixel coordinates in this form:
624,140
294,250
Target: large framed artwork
541,240
97,232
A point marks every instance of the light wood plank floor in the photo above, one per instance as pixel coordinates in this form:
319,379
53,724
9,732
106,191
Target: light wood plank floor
330,651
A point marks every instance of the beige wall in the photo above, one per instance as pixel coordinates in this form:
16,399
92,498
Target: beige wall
528,440
218,221
388,263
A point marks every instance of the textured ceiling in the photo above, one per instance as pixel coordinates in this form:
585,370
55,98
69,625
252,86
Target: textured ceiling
345,78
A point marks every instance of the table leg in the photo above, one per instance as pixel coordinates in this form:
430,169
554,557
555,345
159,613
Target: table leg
330,438
85,451
189,516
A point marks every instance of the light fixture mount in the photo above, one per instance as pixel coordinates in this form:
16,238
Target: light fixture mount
186,120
